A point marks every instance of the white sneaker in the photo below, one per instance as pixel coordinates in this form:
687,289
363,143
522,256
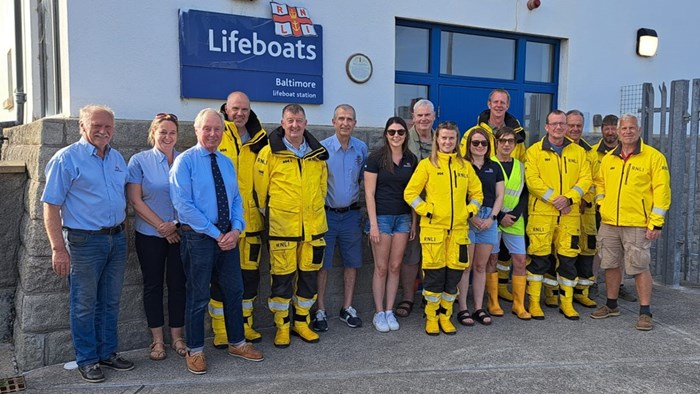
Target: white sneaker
391,320
380,323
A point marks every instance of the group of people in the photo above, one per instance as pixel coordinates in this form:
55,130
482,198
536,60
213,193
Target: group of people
433,203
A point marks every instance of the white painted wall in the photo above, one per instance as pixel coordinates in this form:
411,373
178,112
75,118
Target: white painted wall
125,53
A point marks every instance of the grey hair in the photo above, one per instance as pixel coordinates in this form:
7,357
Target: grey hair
576,112
203,114
628,117
424,103
87,111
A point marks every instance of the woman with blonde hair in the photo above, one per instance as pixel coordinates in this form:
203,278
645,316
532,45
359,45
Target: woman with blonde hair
452,195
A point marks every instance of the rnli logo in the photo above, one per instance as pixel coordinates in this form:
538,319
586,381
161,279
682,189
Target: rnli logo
286,161
637,168
292,21
571,160
281,245
461,175
430,239
538,230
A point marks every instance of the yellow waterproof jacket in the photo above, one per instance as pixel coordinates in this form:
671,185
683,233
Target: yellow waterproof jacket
243,157
447,191
635,192
549,176
592,158
510,121
292,189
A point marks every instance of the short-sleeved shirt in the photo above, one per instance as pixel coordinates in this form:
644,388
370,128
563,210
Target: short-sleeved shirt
88,188
388,195
150,169
344,171
489,174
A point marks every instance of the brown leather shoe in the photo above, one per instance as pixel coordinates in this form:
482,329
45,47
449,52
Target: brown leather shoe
246,351
644,323
196,363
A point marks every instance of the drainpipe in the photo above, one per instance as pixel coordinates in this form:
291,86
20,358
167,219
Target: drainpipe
20,95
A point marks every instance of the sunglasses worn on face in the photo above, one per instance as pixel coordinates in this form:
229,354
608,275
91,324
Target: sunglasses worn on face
483,143
507,140
391,132
166,116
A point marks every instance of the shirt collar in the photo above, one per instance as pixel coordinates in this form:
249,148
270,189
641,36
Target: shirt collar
90,148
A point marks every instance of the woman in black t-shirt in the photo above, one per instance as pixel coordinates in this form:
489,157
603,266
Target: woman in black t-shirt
483,228
391,222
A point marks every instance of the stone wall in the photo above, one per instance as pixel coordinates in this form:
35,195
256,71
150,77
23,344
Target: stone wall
41,326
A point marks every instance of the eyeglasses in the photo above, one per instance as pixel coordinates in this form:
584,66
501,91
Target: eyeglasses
392,132
506,140
483,143
559,124
166,116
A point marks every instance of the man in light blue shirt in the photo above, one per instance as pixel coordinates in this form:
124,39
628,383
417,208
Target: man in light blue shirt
204,190
347,156
84,212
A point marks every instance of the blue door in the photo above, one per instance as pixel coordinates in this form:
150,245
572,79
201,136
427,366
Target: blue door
463,104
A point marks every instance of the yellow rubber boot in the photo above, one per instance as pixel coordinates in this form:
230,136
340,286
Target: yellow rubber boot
503,269
566,300
551,291
493,307
534,291
218,326
432,325
250,334
519,284
282,335
302,319
445,312
581,294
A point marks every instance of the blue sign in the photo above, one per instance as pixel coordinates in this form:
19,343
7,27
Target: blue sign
222,53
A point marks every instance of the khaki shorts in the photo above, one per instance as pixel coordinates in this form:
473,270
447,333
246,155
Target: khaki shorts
628,245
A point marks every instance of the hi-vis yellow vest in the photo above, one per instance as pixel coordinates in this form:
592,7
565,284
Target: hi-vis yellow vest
514,187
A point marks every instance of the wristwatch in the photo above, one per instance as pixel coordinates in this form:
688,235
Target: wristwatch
176,223
494,217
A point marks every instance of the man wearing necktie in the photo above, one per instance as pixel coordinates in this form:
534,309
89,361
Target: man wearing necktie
205,194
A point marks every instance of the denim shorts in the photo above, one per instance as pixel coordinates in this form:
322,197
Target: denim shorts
487,236
390,224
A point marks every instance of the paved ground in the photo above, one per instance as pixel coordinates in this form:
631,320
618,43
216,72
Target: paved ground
554,355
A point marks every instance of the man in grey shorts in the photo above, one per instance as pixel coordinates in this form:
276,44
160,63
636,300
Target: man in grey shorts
420,141
628,225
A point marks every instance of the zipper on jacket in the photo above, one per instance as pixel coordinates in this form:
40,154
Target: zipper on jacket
452,199
561,181
627,177
619,190
644,207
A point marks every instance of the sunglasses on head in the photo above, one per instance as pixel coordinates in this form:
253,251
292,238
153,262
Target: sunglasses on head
391,132
483,143
166,116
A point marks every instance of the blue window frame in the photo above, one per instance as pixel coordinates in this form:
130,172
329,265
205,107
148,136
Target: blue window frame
460,91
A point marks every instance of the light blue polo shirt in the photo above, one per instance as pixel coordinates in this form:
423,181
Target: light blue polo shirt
89,189
150,169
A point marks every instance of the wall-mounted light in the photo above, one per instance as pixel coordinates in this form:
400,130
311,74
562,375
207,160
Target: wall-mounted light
647,42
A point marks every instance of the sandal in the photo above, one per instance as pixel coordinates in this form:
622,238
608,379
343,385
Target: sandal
404,308
465,318
180,347
157,351
481,316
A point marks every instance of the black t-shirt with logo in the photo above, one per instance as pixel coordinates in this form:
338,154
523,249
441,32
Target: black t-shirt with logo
489,174
388,195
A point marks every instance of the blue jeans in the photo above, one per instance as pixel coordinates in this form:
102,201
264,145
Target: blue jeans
202,258
95,281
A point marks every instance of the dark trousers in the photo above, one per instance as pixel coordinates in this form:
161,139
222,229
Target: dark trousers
158,258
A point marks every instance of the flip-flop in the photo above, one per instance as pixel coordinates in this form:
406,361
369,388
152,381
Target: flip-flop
404,308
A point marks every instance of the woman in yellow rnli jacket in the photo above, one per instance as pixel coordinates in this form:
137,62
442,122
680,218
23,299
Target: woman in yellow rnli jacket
449,183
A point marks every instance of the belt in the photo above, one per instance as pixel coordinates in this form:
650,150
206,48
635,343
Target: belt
353,207
103,231
186,227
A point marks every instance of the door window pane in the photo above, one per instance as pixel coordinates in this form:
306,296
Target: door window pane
405,96
412,49
477,56
537,106
539,59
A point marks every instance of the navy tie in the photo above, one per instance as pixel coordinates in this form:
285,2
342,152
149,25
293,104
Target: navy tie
224,223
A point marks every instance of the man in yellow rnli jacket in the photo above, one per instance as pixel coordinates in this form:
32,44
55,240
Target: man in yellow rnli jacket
584,261
634,193
557,175
492,119
290,188
243,138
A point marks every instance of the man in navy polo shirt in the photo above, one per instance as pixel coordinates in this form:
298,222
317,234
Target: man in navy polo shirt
347,156
84,211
